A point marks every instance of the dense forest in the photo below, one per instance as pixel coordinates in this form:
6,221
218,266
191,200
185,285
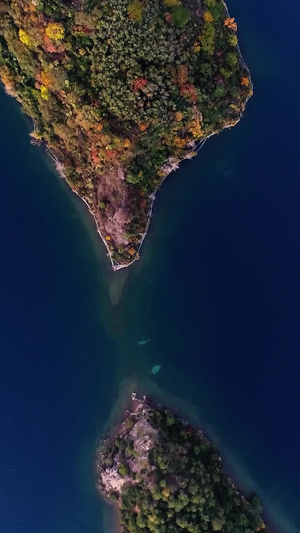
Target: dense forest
119,92
168,478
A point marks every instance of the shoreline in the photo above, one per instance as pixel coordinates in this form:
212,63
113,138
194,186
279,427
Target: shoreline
112,522
117,266
195,147
237,485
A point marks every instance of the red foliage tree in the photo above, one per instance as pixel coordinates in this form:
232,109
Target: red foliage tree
139,84
188,91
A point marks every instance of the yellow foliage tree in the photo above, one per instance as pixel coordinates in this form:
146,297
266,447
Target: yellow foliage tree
196,47
135,11
44,92
127,143
194,127
25,38
233,40
55,31
178,142
166,492
208,17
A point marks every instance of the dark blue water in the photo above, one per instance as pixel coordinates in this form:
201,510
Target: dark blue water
54,394
217,291
221,298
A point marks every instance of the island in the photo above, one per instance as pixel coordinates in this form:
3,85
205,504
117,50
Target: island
121,91
167,477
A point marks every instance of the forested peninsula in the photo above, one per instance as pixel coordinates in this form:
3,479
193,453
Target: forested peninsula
120,91
166,477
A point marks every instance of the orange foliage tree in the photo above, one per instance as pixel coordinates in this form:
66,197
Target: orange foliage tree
143,126
45,78
245,81
231,24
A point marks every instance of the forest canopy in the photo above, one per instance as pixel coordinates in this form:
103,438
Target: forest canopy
120,91
168,478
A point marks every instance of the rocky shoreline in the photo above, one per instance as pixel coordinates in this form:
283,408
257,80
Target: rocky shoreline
116,161
174,165
157,469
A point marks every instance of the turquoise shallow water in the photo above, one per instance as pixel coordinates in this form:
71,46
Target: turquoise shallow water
216,295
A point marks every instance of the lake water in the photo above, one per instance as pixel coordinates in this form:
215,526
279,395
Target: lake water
216,294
